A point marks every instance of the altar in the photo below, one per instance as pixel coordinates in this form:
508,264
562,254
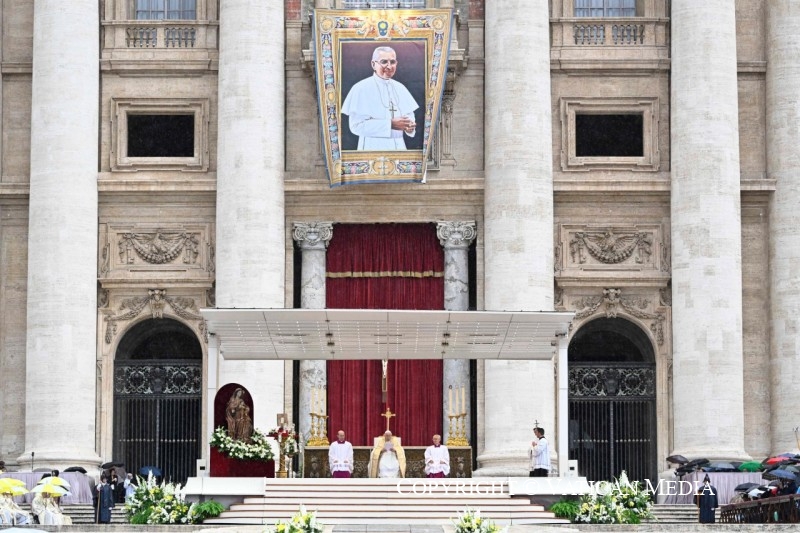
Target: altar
315,461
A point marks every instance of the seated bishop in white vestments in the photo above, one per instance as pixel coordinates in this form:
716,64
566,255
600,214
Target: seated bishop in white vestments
340,457
388,458
437,459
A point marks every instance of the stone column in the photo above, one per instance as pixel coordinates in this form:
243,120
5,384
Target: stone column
250,167
313,239
706,232
518,213
783,165
61,357
455,238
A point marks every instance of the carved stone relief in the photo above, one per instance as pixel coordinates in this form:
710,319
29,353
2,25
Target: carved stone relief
157,300
158,247
183,250
610,248
612,303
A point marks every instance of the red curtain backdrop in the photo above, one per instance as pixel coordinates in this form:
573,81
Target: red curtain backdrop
385,266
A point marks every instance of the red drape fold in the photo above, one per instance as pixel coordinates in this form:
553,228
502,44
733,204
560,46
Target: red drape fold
385,266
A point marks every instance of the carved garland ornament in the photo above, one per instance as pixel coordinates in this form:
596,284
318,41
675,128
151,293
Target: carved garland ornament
158,248
157,298
610,248
612,299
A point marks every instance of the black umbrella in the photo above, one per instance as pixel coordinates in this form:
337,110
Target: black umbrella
697,462
111,464
779,474
146,470
677,459
723,467
745,487
80,469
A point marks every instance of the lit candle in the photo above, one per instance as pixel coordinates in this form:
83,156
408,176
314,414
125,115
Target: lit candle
463,401
323,401
450,401
313,399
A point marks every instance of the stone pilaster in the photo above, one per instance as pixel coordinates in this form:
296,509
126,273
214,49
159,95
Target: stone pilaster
62,237
313,239
706,232
455,238
783,165
518,215
250,166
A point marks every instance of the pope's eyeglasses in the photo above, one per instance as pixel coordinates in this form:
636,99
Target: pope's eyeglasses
385,62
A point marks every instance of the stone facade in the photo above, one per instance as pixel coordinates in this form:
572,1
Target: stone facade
594,236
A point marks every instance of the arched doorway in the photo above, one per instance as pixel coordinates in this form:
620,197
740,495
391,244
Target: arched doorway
158,375
612,400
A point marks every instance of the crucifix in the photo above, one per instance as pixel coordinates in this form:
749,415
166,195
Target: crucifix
392,108
388,415
385,392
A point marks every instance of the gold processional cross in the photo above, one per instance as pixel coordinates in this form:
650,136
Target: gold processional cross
384,392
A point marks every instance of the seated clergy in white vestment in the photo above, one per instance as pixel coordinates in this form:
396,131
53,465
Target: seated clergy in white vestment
10,512
340,457
388,458
437,459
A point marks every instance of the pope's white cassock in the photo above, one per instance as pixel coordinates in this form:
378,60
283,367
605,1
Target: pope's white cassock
370,106
340,457
437,459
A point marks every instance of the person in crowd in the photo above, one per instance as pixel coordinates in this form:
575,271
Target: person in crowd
129,485
105,501
3,467
340,456
48,512
707,501
437,459
539,454
11,513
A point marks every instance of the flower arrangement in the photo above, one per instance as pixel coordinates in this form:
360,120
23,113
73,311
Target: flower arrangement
154,503
470,521
301,522
286,439
258,449
620,502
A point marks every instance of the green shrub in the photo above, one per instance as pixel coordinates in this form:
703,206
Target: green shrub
208,509
565,508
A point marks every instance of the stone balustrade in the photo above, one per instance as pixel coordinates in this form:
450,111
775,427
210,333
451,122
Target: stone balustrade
185,34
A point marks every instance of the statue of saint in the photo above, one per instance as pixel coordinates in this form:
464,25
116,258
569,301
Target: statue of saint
237,413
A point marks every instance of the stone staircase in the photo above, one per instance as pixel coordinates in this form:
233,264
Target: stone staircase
84,514
676,514
378,501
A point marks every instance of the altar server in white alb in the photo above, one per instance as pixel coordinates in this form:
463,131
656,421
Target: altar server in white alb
437,459
380,109
340,456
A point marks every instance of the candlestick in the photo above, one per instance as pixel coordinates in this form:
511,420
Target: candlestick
323,400
463,401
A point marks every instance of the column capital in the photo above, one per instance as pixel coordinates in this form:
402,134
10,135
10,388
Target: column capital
312,235
456,234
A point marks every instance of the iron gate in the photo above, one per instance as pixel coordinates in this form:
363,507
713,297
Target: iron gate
157,416
612,422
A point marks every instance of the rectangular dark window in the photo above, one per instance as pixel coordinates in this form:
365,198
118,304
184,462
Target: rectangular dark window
160,135
605,8
166,9
609,135
384,4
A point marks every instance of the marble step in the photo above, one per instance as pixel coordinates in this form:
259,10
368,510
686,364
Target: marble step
369,507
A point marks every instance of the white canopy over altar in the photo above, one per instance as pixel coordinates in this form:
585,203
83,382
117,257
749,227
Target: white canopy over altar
319,334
